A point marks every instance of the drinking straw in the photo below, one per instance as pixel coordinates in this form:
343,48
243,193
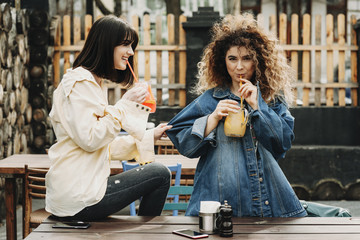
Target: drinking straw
241,98
131,71
149,100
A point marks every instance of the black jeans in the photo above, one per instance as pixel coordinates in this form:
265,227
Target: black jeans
151,182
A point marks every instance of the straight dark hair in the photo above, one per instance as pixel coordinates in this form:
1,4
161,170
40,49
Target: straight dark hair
97,55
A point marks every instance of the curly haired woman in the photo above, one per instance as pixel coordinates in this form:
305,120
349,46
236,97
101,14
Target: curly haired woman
242,61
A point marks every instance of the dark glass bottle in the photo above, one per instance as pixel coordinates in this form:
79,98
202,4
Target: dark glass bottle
225,221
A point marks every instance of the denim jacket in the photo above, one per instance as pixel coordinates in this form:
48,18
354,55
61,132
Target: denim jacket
244,171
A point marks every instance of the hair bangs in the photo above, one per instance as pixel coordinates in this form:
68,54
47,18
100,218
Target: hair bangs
130,37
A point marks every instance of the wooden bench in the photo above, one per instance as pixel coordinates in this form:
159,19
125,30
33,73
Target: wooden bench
165,146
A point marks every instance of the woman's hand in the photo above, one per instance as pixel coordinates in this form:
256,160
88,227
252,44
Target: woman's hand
222,110
159,131
249,92
137,94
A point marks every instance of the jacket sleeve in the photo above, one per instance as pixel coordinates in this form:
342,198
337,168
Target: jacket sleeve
188,129
273,125
92,124
127,148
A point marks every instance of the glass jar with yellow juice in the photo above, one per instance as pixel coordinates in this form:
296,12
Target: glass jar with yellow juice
235,123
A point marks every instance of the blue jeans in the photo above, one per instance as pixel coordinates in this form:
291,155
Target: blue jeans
151,182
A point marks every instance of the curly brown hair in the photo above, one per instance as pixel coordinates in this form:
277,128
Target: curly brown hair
272,70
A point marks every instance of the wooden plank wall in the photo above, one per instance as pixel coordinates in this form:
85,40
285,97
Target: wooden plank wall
313,88
174,86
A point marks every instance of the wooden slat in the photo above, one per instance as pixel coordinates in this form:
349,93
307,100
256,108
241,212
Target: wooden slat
37,179
333,47
165,146
294,54
317,60
266,221
176,206
294,48
88,24
173,85
261,21
353,66
37,170
272,25
10,204
147,41
329,62
56,58
15,163
156,236
111,95
341,59
80,44
328,85
171,41
182,62
135,24
256,229
306,58
282,28
37,187
180,190
159,78
67,42
37,195
77,32
162,48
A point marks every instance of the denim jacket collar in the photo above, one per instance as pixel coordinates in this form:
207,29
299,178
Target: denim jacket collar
222,92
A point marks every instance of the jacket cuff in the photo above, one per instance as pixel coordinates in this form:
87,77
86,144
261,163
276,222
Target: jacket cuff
261,105
145,148
134,117
199,129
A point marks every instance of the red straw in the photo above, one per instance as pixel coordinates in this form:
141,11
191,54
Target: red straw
131,71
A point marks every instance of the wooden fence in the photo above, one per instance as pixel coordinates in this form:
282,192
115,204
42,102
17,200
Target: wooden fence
168,87
312,88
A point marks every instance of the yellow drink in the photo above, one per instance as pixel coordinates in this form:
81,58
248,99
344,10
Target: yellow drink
235,123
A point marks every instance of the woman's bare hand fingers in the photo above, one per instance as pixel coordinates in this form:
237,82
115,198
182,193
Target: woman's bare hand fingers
136,94
159,131
225,106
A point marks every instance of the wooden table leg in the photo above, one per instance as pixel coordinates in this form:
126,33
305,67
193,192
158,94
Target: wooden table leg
10,204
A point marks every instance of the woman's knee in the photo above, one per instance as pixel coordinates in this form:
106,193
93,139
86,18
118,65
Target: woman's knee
160,170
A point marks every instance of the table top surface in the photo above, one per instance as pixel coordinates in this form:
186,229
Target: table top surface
15,163
129,227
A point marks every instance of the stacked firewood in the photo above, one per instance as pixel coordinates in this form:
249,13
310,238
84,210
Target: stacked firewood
40,79
15,112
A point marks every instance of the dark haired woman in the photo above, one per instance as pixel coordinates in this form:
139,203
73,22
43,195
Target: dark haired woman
79,185
242,61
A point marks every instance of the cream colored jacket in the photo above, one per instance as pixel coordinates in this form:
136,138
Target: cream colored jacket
87,131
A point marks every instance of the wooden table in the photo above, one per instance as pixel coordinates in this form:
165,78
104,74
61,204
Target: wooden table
13,167
160,228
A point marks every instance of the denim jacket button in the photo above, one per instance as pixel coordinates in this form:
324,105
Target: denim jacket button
260,179
266,202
